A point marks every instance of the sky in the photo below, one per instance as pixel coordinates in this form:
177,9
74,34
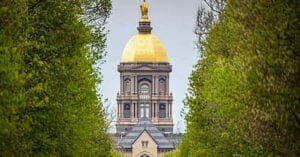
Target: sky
173,22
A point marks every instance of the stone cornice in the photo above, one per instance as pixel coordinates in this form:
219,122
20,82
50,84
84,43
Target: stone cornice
144,67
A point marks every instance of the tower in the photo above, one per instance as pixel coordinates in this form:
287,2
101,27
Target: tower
144,81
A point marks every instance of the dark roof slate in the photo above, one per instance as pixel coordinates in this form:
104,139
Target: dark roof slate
145,124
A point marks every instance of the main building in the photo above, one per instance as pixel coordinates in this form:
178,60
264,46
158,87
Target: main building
144,103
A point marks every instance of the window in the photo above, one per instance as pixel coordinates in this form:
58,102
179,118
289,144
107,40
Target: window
127,86
144,110
162,110
126,110
144,91
144,144
162,87
144,96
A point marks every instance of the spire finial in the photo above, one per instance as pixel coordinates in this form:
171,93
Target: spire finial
144,23
144,10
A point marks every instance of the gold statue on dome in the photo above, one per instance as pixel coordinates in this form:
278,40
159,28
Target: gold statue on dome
144,10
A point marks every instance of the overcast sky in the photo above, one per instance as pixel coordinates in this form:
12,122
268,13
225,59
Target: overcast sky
173,22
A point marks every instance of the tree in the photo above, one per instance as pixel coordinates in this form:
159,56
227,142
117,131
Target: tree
244,98
12,94
271,46
54,109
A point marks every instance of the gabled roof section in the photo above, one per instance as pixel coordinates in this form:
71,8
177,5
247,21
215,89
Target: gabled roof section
145,125
141,135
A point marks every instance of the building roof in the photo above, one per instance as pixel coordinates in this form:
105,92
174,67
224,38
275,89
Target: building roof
145,125
144,47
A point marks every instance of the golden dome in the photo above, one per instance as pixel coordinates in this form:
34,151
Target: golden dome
144,47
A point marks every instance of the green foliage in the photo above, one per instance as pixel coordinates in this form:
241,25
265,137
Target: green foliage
115,153
174,153
244,93
49,105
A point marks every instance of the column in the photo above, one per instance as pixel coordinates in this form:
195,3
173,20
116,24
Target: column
153,84
134,85
156,84
167,85
136,110
117,111
156,112
170,110
167,110
131,85
121,84
152,110
131,111
121,108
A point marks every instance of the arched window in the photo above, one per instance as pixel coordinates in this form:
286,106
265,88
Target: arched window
144,91
162,87
144,96
127,86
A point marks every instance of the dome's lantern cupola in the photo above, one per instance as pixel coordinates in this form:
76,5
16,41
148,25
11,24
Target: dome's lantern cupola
144,23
